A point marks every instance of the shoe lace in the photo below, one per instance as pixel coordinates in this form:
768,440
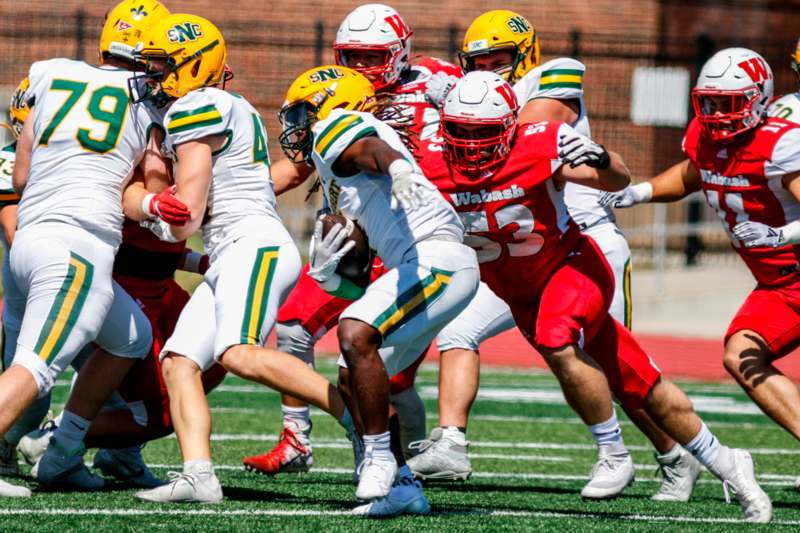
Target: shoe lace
420,446
289,438
668,473
177,477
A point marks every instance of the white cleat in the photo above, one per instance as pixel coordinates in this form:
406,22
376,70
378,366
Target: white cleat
9,466
611,474
33,445
200,487
680,475
742,482
406,497
126,465
442,458
376,476
66,469
7,490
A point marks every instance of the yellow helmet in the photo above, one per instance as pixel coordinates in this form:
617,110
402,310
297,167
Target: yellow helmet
20,107
502,29
312,97
183,53
125,26
796,60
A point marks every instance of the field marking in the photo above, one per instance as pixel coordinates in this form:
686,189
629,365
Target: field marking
324,512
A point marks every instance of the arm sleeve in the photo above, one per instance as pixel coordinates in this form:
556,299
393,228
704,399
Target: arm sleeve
197,115
335,134
785,155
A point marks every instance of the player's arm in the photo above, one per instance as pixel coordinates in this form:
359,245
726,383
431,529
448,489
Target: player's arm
613,177
22,161
677,182
756,234
287,175
550,109
372,154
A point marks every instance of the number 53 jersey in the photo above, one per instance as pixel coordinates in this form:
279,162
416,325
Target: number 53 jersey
515,220
86,132
744,181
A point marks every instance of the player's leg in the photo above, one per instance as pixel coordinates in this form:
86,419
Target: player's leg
405,308
766,327
444,455
406,402
678,467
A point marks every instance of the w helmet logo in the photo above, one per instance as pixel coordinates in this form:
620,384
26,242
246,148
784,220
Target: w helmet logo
181,33
139,13
518,24
756,68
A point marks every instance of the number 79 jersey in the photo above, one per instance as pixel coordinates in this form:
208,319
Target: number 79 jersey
516,219
88,138
744,181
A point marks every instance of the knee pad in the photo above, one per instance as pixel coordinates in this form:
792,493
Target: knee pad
294,339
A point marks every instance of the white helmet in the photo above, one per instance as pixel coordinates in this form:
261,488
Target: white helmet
375,27
478,121
732,93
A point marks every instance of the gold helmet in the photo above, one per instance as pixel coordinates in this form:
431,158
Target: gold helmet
796,60
126,25
20,107
183,53
312,97
502,29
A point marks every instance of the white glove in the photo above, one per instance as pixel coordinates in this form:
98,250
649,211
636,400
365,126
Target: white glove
407,191
438,87
629,196
577,149
325,253
160,229
755,234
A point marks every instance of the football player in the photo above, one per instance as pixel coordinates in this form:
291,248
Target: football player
219,144
374,40
787,106
75,154
369,176
747,166
506,43
507,184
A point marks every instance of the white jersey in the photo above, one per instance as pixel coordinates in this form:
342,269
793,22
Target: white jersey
240,187
88,138
366,198
562,79
786,107
7,194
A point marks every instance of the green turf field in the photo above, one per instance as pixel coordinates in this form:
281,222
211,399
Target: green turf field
530,457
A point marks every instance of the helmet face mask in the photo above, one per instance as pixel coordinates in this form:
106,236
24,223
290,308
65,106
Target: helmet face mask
498,30
20,107
732,93
296,139
502,60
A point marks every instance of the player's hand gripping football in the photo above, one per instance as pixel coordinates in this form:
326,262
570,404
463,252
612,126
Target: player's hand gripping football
577,149
326,252
438,87
167,207
627,197
407,189
755,234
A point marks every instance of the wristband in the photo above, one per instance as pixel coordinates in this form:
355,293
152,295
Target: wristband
642,192
790,233
146,205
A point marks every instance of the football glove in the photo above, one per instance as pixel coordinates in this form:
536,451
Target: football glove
160,229
755,234
165,206
407,191
577,149
326,252
627,197
438,87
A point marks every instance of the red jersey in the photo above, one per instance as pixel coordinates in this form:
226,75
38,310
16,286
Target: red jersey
410,98
143,255
743,181
515,219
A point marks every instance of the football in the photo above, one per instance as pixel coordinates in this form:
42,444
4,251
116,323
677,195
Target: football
357,264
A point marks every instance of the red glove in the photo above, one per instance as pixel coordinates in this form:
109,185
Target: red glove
165,206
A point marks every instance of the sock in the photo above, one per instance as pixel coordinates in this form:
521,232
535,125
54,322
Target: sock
671,456
455,433
346,421
70,432
711,454
404,472
380,444
199,467
298,416
411,412
608,435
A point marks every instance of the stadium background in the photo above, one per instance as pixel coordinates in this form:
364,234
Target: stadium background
270,43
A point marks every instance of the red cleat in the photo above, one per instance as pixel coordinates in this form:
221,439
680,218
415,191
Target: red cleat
292,454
